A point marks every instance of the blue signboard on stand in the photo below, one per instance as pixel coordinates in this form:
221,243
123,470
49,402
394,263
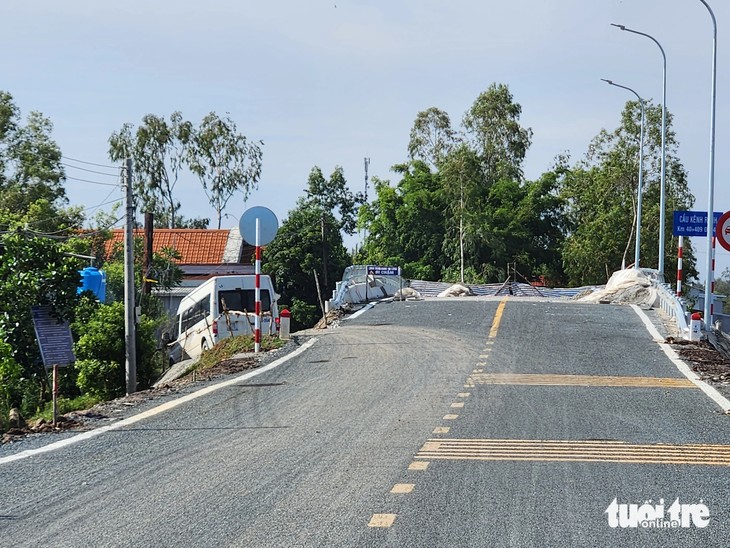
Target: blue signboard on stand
693,223
383,270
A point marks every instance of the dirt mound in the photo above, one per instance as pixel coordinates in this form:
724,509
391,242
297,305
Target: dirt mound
333,319
62,423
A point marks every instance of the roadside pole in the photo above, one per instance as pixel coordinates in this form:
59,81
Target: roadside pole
55,394
400,277
258,226
257,336
679,266
130,363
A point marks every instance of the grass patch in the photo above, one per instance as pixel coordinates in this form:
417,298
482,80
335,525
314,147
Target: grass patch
233,345
66,405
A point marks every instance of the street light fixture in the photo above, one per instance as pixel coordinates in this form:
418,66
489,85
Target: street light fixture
662,199
711,192
641,172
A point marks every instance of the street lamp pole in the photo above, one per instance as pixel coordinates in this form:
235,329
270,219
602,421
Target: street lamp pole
663,197
641,173
711,191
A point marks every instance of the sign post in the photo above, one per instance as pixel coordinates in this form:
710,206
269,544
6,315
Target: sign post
56,344
258,227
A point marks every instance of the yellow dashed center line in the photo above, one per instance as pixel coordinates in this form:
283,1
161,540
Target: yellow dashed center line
450,417
382,520
403,488
458,404
464,394
578,380
418,465
580,451
441,430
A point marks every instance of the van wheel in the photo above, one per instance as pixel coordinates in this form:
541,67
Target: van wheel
204,345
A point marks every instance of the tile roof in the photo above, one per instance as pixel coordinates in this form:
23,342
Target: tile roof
197,246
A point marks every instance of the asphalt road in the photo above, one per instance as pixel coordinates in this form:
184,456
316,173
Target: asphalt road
415,424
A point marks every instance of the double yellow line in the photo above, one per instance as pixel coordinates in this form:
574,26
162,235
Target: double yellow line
574,451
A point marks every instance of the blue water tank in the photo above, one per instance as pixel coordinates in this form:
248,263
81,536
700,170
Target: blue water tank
94,280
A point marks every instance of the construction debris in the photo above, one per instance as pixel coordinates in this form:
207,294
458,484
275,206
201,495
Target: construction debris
625,286
457,290
333,319
407,293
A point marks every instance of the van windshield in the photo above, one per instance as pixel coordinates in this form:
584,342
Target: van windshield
243,300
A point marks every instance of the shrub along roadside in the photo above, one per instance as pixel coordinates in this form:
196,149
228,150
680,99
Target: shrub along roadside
100,352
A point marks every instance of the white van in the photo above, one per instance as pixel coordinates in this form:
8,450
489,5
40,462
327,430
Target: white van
221,307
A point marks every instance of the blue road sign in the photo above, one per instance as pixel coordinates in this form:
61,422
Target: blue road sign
383,270
693,223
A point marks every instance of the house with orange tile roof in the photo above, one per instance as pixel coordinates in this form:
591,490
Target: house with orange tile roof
204,254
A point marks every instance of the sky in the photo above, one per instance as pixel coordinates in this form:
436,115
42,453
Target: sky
331,82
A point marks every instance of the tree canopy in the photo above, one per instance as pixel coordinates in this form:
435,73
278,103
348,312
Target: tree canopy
462,210
601,193
224,160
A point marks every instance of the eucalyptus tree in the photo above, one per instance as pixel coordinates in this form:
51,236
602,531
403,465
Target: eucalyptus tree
158,150
432,137
224,161
493,131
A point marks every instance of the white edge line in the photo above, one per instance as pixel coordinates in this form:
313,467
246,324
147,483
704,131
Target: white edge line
361,311
710,391
156,410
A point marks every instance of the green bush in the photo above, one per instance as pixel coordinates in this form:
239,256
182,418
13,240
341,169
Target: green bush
104,379
34,390
10,376
303,315
100,352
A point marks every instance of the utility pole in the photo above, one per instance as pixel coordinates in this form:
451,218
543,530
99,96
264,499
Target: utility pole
146,267
324,249
367,164
130,364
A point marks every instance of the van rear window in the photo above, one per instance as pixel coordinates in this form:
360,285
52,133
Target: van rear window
243,300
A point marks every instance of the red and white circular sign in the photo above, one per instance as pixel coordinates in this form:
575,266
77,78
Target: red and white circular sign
723,230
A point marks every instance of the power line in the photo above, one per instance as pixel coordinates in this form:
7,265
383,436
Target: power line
92,182
90,163
90,170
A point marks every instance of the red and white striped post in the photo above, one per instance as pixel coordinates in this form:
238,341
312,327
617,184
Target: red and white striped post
257,335
679,266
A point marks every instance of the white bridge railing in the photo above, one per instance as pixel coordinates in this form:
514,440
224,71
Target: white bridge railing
674,306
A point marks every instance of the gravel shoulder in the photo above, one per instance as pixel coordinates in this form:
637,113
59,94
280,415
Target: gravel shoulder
104,413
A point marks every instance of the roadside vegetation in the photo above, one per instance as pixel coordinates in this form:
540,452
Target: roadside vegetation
227,348
459,209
